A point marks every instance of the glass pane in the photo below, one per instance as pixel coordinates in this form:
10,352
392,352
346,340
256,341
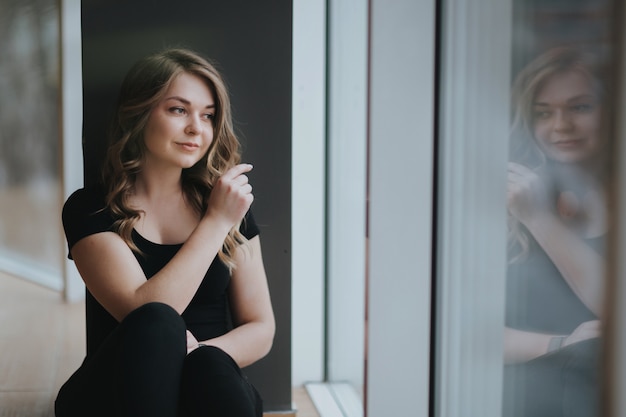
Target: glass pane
557,206
346,208
30,231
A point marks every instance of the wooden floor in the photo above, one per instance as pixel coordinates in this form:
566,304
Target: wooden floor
42,341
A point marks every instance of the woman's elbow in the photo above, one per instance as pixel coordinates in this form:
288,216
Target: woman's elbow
267,341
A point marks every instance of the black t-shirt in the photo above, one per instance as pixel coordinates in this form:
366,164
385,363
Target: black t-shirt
85,213
539,299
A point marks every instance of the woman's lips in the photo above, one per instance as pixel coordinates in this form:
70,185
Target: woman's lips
569,143
188,146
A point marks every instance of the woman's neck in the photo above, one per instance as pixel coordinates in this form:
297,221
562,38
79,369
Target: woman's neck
158,184
585,175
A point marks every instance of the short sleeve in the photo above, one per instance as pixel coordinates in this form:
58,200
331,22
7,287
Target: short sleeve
248,227
84,214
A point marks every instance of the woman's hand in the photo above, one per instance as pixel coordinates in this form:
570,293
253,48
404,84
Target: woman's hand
192,342
231,195
526,193
587,330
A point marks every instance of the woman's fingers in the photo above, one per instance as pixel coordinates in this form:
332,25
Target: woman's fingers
587,330
246,189
231,195
519,169
241,180
235,178
236,171
192,343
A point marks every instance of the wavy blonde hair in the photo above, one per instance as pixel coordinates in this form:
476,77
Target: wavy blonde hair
523,145
142,89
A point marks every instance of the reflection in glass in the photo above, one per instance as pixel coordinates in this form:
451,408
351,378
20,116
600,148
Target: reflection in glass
556,187
29,134
557,205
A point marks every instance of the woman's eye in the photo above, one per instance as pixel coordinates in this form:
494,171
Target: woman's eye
542,114
177,110
209,116
582,108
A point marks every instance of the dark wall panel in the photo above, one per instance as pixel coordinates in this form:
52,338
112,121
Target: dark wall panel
250,41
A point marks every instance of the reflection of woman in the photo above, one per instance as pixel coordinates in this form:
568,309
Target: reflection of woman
557,207
164,247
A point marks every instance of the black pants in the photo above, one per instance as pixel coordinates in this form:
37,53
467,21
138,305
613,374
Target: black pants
142,369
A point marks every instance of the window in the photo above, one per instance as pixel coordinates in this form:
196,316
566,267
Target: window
545,282
30,183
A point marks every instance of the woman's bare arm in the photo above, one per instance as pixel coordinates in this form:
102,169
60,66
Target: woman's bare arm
579,264
115,278
522,346
253,317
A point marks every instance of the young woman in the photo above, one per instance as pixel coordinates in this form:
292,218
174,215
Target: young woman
556,201
170,254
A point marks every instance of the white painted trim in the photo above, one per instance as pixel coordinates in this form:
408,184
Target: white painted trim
308,189
402,81
323,399
21,266
337,399
471,253
347,398
72,123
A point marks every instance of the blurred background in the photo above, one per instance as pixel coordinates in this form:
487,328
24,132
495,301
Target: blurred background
30,158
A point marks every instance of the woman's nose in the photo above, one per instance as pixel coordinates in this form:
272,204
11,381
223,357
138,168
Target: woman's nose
562,120
194,127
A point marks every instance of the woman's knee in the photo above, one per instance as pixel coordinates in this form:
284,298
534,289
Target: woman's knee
213,384
155,322
153,309
155,312
211,360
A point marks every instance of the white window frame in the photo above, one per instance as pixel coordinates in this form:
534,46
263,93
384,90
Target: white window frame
308,190
401,176
471,259
400,89
71,125
346,191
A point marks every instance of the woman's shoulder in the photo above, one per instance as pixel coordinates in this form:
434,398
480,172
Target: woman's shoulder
85,213
87,197
86,201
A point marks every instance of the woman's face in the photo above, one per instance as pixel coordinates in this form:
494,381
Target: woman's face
567,118
180,127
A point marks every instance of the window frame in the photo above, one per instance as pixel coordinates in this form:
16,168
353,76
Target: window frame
401,168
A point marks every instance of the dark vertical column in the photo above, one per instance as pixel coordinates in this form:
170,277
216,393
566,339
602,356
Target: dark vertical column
250,41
